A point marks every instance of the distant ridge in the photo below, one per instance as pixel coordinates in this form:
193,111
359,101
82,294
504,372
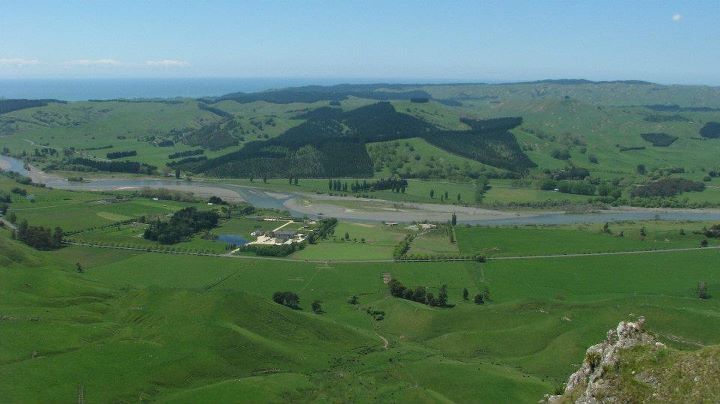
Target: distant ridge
583,81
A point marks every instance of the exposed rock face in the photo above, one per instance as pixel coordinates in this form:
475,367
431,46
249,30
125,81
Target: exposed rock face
587,384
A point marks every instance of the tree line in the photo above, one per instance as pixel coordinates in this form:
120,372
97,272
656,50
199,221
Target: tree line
394,184
114,166
419,294
186,153
121,154
666,187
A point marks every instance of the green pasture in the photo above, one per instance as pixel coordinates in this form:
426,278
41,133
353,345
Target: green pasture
366,241
179,328
580,239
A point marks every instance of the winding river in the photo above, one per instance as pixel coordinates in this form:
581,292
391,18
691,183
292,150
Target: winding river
370,210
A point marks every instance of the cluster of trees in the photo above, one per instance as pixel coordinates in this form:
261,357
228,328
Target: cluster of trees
217,111
482,185
560,154
576,187
121,154
711,130
21,179
181,225
659,139
273,250
334,143
323,229
39,237
497,148
18,104
72,149
287,299
310,94
186,153
216,200
667,187
187,163
419,294
713,231
167,194
480,298
114,166
44,151
214,136
568,173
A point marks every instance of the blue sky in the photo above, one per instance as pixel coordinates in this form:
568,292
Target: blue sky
662,41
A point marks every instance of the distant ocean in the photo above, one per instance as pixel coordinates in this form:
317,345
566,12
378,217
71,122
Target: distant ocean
103,89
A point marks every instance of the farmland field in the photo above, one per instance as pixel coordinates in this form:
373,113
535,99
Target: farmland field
549,240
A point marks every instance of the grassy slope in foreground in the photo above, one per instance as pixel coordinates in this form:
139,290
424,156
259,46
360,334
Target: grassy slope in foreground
159,326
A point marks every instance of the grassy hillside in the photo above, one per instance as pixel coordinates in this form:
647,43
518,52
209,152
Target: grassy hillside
609,129
181,328
178,328
416,158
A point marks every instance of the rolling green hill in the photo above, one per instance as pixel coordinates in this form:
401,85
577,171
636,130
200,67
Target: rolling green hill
624,132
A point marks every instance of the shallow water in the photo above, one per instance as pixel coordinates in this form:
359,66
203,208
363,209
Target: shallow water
232,239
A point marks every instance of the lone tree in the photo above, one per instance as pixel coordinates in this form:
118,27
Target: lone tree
442,296
702,290
453,220
353,300
465,294
316,307
57,237
704,243
432,193
79,268
486,294
479,299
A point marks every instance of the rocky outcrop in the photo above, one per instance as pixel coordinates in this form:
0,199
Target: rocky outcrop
590,384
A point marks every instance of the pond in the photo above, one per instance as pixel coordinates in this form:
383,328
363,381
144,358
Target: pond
232,239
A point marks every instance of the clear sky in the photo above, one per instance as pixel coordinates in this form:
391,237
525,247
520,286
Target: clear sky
482,40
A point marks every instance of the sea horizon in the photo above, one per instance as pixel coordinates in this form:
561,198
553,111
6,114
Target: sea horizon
83,89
